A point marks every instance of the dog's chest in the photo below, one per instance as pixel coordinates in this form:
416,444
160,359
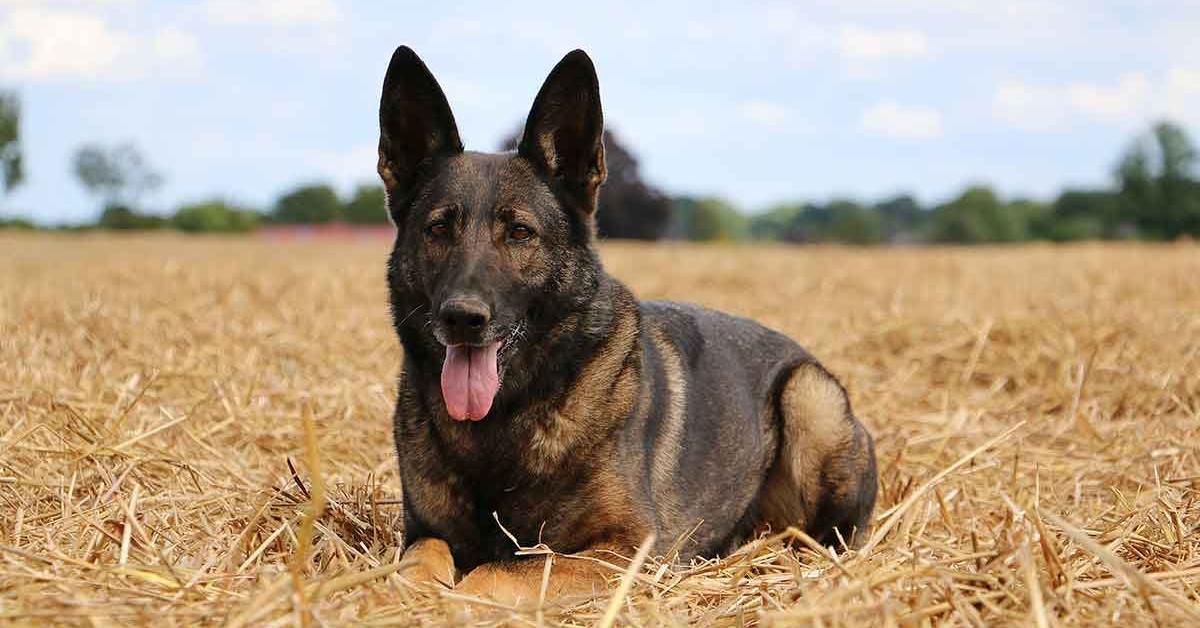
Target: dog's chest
530,448
530,483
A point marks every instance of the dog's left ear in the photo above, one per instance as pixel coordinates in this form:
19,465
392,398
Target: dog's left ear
564,133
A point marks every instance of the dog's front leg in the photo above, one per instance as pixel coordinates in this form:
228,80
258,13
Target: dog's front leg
428,561
519,582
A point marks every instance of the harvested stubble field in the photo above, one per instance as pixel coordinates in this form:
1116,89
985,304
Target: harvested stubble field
1036,411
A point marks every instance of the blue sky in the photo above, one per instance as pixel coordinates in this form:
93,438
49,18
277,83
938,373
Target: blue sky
758,102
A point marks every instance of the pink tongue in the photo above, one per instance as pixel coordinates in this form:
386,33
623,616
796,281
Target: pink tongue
469,381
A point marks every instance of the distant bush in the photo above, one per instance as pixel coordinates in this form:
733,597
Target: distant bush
308,204
840,220
122,218
367,206
706,219
1083,215
214,216
976,216
854,224
775,223
16,223
902,219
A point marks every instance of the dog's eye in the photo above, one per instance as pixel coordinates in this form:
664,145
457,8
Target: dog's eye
439,229
519,233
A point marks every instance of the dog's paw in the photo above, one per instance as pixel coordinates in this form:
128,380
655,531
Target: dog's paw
500,586
428,563
419,574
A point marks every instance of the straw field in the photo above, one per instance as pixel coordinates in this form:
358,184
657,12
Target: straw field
174,410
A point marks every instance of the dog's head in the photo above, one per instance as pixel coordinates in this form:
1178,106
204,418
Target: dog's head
490,248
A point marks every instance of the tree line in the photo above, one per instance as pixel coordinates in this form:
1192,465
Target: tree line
306,204
1155,194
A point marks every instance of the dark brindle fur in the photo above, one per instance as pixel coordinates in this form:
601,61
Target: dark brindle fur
614,418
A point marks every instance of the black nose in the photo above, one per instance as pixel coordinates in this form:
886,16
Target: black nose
464,316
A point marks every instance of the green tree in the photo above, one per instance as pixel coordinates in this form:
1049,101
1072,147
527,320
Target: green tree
706,219
214,216
977,215
1081,215
852,223
776,222
1157,186
118,175
12,170
308,204
1031,216
902,218
366,207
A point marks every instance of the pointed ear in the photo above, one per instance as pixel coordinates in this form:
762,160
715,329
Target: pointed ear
564,133
416,127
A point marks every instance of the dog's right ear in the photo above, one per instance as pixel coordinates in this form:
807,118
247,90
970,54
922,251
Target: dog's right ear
416,128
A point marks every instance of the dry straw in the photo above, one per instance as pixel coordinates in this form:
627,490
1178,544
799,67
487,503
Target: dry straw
196,431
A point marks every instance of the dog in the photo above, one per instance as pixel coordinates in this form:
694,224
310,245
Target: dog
540,402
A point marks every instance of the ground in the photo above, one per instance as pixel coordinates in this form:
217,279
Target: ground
1036,411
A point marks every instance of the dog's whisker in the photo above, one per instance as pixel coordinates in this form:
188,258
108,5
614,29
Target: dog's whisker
409,315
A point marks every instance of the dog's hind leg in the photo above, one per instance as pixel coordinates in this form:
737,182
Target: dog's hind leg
824,477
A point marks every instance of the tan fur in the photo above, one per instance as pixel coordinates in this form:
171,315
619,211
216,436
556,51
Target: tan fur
556,433
428,561
520,584
669,442
545,141
597,177
815,425
384,168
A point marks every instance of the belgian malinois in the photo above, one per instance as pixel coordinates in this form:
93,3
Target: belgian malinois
539,395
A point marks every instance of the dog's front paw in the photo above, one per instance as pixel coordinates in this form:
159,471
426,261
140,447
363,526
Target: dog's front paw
500,586
428,562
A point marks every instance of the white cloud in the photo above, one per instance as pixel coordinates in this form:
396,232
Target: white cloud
857,43
273,12
765,112
39,43
1110,103
891,119
1181,96
174,44
866,52
1028,107
699,31
1131,99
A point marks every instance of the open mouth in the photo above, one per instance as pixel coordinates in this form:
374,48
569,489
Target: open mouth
470,380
